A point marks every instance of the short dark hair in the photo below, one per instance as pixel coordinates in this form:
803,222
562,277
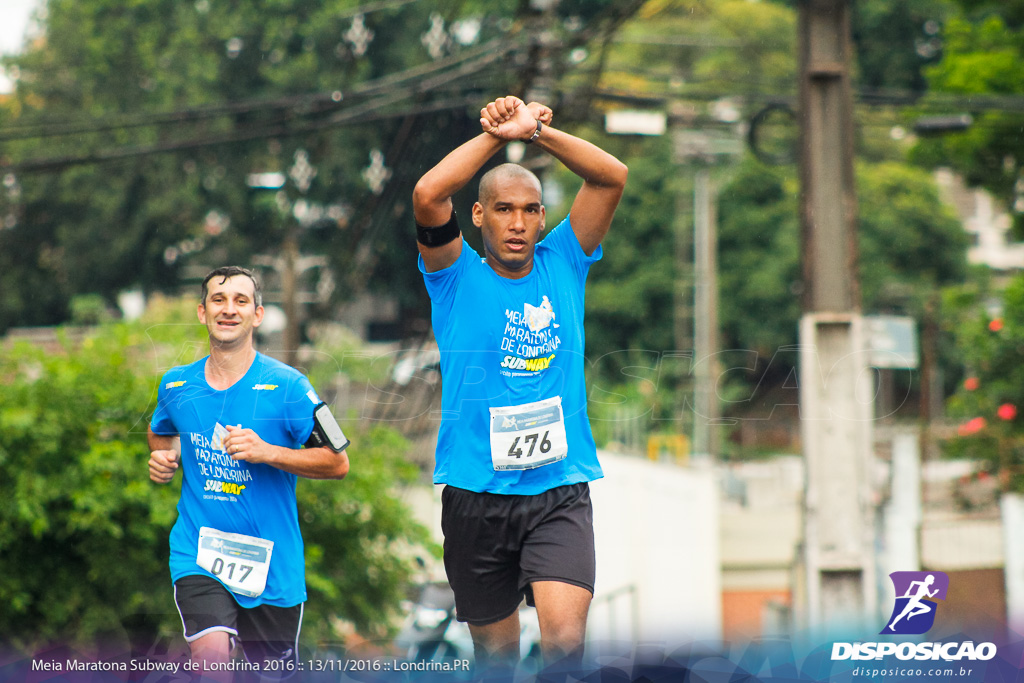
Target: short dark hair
228,272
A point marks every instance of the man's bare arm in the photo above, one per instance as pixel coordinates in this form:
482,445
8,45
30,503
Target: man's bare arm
164,456
432,196
604,176
604,179
312,463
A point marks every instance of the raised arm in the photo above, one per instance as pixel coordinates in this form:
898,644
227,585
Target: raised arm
604,176
432,196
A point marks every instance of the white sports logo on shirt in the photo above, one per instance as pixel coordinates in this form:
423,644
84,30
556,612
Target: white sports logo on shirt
539,317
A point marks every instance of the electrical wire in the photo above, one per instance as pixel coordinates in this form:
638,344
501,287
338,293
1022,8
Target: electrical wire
373,110
306,101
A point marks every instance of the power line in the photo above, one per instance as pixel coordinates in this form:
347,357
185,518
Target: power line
297,106
374,7
932,101
374,109
350,13
307,103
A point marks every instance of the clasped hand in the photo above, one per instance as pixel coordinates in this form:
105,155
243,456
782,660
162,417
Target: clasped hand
509,118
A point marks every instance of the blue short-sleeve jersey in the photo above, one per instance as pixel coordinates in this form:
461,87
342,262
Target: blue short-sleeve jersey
275,401
508,342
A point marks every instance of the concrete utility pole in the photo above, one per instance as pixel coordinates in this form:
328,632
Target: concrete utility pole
835,383
705,322
695,314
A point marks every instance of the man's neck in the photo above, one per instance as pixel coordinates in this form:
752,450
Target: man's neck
506,272
226,366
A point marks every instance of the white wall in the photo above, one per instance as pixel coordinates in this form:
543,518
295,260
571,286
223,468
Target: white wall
657,534
656,529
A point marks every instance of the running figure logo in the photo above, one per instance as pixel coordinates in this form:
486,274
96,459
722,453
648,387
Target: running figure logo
914,611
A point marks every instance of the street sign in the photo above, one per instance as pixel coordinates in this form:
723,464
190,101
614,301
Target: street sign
892,341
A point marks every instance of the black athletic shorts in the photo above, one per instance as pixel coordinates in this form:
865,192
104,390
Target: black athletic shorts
495,546
265,632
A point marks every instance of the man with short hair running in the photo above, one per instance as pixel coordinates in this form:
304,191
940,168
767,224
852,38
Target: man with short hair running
235,422
515,449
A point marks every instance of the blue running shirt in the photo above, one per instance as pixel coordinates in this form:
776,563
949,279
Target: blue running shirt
275,401
507,342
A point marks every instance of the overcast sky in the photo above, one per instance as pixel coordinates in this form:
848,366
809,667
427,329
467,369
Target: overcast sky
14,16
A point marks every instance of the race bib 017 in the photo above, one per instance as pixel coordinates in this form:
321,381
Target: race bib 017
240,562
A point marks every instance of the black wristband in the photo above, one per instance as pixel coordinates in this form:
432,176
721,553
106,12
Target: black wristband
440,235
536,133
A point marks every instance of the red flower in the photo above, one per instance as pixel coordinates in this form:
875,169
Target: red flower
1007,411
996,324
972,426
971,383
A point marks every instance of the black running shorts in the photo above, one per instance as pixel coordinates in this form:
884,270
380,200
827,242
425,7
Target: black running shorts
269,635
495,546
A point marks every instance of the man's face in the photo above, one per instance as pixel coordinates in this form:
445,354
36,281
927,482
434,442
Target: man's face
230,312
510,224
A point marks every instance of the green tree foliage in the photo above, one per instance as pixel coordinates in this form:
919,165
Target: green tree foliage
691,55
1012,11
910,245
699,50
755,50
84,533
989,328
630,293
759,262
895,41
361,543
709,63
231,89
981,62
240,87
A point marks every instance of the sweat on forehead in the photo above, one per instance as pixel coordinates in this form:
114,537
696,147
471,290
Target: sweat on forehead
491,181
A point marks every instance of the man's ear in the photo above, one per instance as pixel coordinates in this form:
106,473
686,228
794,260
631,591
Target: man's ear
259,317
478,214
201,313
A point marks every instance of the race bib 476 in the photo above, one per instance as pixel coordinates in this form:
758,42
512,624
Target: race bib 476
528,435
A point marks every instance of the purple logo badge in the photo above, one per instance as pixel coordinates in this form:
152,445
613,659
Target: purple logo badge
916,592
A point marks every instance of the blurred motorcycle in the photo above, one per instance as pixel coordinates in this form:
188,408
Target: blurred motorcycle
431,633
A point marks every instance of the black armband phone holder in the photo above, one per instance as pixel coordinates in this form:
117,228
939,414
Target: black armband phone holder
439,236
326,431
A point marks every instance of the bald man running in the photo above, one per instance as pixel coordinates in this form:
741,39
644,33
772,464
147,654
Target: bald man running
515,450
